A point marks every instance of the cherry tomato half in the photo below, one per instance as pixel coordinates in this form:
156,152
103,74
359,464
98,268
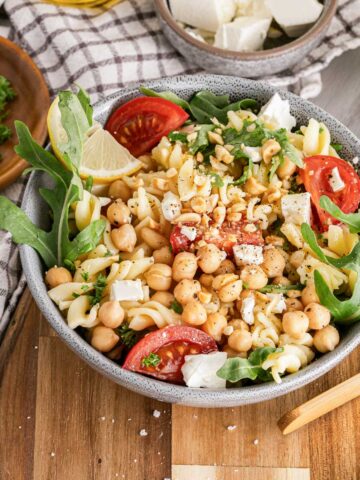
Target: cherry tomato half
171,344
316,174
140,123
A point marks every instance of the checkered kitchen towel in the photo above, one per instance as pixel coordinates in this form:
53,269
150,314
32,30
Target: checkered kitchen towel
103,50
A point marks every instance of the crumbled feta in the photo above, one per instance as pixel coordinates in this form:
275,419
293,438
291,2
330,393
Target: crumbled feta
245,34
293,20
280,305
254,153
205,14
130,290
156,413
296,208
200,370
248,255
336,182
277,113
143,433
171,206
247,309
231,427
189,232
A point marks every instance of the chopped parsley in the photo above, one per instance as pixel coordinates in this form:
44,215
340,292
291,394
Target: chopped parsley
178,136
85,276
76,295
176,306
216,180
337,147
6,95
128,336
89,183
99,287
152,360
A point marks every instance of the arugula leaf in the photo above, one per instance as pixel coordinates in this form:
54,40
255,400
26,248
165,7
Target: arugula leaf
84,100
343,311
202,139
350,219
23,231
152,360
172,97
246,174
337,147
289,151
85,241
276,161
205,105
280,288
236,368
253,138
176,306
216,180
178,136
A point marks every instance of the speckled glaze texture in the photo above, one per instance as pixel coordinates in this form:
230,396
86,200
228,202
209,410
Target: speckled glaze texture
33,205
236,63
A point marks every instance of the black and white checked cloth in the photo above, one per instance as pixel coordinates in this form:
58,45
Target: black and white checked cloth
103,50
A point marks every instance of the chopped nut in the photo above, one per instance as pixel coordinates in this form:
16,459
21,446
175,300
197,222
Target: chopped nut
254,187
269,149
223,155
215,138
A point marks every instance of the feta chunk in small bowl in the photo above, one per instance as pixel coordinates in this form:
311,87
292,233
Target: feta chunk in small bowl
245,38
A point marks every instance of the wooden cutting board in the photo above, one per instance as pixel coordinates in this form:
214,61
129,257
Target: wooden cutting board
61,420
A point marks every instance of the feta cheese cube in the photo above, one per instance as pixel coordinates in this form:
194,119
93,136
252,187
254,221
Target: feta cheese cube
245,34
296,208
200,370
254,153
247,309
189,232
171,206
129,290
293,18
336,182
205,14
248,255
280,305
253,8
277,113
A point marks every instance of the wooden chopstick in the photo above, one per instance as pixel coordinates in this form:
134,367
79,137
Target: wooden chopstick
318,406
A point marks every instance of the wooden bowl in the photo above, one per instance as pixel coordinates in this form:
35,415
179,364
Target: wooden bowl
30,105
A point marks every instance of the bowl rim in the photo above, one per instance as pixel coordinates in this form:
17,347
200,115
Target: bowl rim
213,398
320,25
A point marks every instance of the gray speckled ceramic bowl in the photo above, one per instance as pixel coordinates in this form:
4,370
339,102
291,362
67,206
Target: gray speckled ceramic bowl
185,86
244,64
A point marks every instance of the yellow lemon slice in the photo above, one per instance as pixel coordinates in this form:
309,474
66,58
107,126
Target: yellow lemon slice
103,157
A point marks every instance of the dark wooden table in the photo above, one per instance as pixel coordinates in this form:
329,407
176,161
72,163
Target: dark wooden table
60,420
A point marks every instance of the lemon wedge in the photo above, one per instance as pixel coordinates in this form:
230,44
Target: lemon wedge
103,157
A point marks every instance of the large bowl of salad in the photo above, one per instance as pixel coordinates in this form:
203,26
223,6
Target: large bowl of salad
195,239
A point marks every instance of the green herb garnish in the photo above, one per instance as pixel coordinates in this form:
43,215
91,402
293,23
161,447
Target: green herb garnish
128,336
178,136
202,139
337,147
236,369
5,133
176,306
152,360
85,276
280,288
99,286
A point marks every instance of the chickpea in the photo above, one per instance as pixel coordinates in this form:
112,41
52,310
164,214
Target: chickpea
124,238
297,258
319,316
165,298
186,290
226,266
274,262
103,338
119,189
111,314
286,169
163,255
159,277
309,295
240,341
210,258
154,239
57,275
293,304
194,313
231,353
239,324
280,280
231,291
326,339
254,277
206,280
184,266
295,323
215,325
118,213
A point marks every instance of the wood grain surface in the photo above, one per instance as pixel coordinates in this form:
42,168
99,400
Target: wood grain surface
61,420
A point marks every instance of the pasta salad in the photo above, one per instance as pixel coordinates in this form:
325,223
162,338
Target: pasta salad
200,242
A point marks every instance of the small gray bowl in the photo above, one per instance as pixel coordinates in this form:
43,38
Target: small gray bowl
33,205
245,64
